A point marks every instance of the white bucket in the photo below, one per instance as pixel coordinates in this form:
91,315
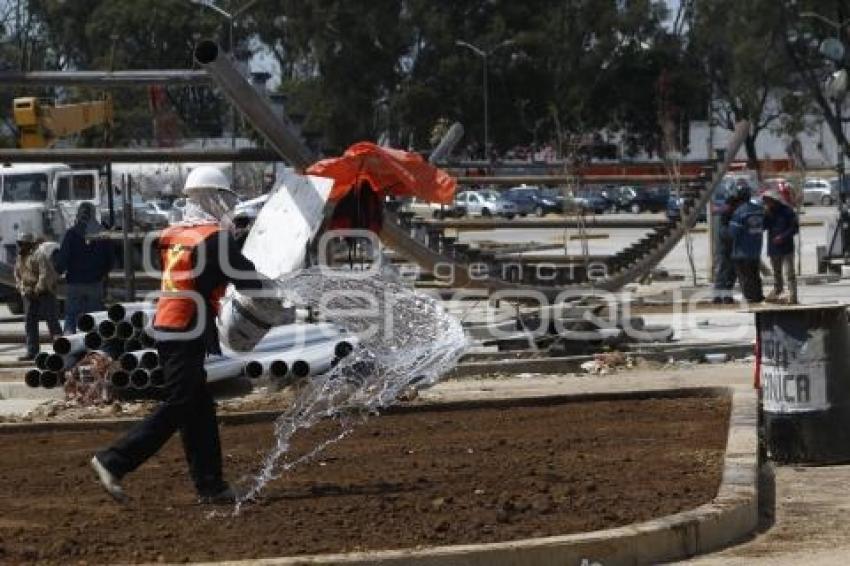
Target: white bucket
243,321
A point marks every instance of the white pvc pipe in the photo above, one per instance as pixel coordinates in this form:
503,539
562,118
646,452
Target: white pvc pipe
318,359
225,368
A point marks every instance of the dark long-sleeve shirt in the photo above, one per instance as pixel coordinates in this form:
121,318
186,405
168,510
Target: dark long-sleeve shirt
782,225
83,261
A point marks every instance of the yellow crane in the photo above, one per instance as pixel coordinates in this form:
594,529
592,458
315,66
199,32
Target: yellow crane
42,124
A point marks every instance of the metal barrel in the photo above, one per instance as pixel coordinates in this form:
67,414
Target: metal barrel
49,379
805,382
32,378
253,105
93,341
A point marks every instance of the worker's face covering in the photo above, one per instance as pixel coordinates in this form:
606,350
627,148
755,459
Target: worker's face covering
209,205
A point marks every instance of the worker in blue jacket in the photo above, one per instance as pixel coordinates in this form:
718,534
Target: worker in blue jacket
781,224
745,228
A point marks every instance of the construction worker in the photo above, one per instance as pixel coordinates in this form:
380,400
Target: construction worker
780,222
746,227
199,258
37,280
724,276
86,263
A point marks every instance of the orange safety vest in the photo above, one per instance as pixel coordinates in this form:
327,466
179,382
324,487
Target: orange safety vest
177,245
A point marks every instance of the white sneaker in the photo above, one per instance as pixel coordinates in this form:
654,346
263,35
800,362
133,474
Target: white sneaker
108,481
772,297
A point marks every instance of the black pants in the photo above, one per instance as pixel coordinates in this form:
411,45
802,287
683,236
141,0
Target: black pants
189,408
40,307
749,274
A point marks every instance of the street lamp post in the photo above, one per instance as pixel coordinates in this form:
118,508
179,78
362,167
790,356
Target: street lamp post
485,55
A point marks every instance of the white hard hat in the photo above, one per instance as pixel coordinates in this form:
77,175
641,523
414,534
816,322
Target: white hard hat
206,177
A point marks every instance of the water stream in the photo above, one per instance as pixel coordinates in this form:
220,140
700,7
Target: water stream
406,338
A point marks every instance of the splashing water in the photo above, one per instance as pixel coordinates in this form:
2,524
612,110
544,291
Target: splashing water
406,339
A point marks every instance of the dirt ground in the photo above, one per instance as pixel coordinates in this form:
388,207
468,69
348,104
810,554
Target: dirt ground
400,480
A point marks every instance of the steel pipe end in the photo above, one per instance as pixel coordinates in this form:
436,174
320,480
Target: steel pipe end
62,345
49,379
343,349
116,312
139,378
300,369
55,362
206,52
41,360
278,368
33,378
254,369
119,379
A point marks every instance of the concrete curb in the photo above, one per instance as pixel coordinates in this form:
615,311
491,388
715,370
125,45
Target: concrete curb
572,364
729,517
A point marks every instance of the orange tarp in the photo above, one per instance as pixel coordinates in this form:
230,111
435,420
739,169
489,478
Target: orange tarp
391,171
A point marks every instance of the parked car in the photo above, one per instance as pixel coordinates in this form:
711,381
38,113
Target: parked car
674,208
642,199
820,191
593,200
532,200
784,188
484,203
150,216
432,209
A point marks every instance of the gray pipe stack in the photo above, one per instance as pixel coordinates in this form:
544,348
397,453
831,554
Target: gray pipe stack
280,135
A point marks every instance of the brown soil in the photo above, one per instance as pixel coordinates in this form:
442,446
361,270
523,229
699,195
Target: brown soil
400,480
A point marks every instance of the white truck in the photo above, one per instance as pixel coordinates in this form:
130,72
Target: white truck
41,198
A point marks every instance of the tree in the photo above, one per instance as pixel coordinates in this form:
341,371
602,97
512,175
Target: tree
131,34
741,48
